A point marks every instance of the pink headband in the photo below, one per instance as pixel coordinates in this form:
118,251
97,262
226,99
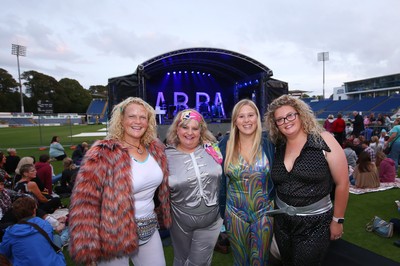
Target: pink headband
191,114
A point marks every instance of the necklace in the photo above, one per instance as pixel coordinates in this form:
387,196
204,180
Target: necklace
138,149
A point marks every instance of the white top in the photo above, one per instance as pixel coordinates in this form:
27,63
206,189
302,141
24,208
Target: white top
147,176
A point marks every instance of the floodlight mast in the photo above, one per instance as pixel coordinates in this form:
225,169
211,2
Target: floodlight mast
324,56
19,50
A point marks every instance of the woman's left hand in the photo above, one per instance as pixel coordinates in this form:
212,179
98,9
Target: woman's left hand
336,230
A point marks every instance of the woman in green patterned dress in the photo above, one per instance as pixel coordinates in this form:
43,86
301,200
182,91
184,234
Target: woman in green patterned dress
247,186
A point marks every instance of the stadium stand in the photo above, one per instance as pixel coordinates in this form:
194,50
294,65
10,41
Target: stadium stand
97,111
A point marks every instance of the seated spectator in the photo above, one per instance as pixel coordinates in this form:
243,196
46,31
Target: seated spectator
79,152
386,167
382,136
67,177
56,149
25,185
12,161
23,245
365,173
375,144
17,177
45,172
351,155
6,216
2,170
357,146
369,150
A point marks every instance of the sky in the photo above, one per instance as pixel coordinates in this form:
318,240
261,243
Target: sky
94,40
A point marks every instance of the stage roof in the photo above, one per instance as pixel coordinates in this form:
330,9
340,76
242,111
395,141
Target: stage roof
219,62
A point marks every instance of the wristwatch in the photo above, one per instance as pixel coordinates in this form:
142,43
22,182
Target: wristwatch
338,220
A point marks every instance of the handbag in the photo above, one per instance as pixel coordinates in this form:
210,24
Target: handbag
380,227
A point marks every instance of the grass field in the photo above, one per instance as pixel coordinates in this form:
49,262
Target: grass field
361,208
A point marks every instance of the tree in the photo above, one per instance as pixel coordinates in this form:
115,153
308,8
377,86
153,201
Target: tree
40,87
7,82
98,91
10,98
78,98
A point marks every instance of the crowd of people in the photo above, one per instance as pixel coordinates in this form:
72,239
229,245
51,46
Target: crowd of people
279,191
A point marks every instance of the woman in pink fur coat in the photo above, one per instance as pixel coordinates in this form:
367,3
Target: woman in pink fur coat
112,212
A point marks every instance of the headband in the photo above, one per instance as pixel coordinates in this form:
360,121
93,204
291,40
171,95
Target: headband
191,114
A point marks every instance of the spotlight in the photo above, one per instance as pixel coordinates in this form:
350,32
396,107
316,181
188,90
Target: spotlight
198,72
174,72
168,73
180,72
185,72
192,72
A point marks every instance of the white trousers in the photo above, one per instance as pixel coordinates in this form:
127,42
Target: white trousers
151,253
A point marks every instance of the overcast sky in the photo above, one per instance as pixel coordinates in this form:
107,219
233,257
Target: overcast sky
94,40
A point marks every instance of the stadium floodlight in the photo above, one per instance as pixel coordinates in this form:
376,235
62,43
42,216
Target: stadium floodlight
19,50
324,56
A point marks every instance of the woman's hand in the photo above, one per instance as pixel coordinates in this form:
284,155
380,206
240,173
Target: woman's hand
336,230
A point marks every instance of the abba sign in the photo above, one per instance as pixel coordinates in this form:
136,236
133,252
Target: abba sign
182,99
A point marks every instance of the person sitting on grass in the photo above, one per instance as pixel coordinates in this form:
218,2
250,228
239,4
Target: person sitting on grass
79,152
68,176
12,161
28,160
26,186
44,172
386,167
365,173
23,244
56,149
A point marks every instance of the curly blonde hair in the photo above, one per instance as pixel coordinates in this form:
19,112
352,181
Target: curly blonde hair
305,114
116,129
205,135
232,146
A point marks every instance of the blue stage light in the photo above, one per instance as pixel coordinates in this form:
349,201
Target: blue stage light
180,72
174,72
168,73
198,72
192,72
185,72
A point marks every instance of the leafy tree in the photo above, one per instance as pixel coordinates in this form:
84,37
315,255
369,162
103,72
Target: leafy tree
7,82
10,98
73,92
98,91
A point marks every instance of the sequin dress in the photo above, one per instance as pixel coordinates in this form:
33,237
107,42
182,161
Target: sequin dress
303,240
248,226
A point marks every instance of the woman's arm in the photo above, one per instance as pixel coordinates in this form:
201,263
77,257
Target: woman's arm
339,171
32,186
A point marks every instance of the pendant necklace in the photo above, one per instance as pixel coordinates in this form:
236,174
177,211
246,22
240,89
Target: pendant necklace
138,149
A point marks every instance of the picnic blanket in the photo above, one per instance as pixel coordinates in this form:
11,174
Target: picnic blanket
383,186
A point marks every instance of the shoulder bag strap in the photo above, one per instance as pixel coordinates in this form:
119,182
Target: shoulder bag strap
41,231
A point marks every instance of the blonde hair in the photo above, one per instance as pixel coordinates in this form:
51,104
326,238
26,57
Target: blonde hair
375,139
305,114
116,129
232,145
172,136
24,160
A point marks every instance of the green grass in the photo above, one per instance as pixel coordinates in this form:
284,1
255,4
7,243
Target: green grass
361,208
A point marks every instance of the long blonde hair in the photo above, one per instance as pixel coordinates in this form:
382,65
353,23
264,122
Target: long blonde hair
232,146
116,129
